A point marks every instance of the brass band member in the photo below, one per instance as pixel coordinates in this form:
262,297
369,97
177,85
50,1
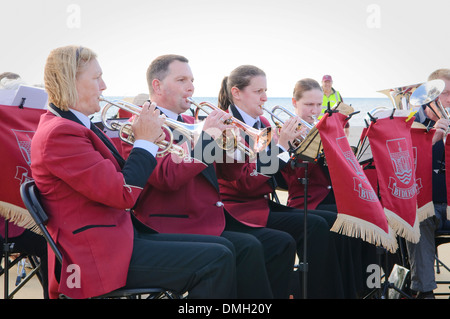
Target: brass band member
422,254
307,102
247,199
182,194
87,190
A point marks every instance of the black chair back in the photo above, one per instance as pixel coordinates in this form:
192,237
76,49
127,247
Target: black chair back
31,198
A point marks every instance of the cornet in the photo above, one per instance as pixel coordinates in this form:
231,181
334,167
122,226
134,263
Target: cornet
261,138
126,133
279,122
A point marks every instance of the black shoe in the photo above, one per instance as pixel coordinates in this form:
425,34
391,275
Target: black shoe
425,295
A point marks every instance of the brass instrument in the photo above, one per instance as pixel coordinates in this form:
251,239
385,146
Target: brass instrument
405,99
126,133
279,122
400,96
261,138
429,92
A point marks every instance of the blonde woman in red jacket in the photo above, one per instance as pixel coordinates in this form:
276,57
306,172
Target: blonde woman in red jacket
87,190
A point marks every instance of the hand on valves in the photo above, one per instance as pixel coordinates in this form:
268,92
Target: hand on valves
216,123
291,131
147,126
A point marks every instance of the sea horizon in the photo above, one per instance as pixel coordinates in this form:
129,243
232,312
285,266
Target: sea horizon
362,105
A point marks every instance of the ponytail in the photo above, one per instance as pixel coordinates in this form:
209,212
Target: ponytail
224,99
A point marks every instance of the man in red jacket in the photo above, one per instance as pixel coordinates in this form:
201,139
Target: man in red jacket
182,194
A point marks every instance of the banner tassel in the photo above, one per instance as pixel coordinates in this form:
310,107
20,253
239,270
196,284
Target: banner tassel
355,227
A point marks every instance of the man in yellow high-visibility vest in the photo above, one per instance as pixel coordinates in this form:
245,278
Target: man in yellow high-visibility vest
330,95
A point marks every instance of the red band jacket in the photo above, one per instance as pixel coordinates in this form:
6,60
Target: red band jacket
87,193
182,195
247,199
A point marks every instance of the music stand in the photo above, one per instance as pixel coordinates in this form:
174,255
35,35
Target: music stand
31,97
309,151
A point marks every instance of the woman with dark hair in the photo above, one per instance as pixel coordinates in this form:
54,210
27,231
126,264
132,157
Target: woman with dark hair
243,94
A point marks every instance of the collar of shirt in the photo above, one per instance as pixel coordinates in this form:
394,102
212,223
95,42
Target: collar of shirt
147,145
249,120
168,113
83,118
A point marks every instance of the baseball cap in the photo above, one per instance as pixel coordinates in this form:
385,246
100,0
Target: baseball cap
327,78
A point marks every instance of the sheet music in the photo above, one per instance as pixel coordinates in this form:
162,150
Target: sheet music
29,96
7,96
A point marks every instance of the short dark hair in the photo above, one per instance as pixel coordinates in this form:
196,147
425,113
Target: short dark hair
159,68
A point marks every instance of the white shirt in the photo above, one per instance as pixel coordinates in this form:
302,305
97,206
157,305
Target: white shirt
168,113
251,121
247,118
150,147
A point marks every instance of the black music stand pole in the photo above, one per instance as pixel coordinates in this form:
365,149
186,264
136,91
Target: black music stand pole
303,265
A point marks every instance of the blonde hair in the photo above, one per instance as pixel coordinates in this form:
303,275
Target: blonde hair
440,74
61,70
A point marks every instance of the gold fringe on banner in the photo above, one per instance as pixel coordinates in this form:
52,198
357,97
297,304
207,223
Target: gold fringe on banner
19,216
425,211
355,227
402,228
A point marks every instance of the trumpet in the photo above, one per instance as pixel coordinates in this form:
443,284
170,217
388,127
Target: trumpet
126,133
261,138
279,122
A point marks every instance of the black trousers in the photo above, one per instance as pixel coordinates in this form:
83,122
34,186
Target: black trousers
229,266
323,277
279,256
354,255
203,266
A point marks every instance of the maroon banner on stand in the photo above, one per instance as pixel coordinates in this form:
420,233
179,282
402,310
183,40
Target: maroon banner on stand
360,213
17,130
391,145
447,174
423,159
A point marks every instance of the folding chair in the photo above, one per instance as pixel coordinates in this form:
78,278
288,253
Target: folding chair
442,236
8,249
31,198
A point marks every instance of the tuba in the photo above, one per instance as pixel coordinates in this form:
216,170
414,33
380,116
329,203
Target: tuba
428,92
126,133
400,96
261,138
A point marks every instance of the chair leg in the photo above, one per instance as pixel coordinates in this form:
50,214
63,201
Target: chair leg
438,270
